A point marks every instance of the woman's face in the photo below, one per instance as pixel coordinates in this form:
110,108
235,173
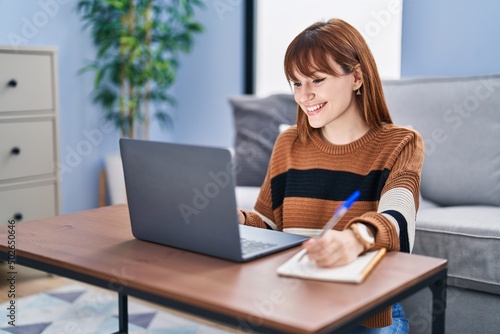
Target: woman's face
327,100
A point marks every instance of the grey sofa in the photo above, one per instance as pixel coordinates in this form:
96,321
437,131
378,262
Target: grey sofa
459,215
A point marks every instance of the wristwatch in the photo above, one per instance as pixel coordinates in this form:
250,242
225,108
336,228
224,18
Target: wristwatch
363,235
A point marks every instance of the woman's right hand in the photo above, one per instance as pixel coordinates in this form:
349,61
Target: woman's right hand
334,248
241,217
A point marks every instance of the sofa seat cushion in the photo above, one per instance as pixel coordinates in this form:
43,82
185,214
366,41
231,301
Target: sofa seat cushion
469,237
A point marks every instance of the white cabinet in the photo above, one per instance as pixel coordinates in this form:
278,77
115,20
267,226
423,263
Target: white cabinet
29,138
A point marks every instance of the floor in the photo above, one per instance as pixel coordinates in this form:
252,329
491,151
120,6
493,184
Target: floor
30,281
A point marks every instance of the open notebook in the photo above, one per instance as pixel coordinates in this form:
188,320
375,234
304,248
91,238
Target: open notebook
354,272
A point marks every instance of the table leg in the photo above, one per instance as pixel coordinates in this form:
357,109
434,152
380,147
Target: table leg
438,305
122,314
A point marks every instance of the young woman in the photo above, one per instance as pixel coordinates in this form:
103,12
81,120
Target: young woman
344,141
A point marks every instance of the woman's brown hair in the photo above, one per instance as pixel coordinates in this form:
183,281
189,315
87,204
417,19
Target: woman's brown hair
314,49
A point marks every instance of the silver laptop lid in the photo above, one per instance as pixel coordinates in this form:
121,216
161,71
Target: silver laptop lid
182,196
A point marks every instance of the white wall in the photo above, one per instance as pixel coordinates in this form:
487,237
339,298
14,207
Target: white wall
279,21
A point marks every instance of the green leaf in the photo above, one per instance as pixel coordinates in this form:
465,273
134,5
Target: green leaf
165,120
116,4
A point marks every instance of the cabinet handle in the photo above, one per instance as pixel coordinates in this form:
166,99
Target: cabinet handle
18,216
15,151
12,83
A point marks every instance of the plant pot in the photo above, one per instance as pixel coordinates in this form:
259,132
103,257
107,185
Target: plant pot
115,181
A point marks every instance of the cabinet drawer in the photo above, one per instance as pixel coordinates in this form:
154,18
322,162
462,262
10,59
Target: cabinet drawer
25,82
26,149
29,202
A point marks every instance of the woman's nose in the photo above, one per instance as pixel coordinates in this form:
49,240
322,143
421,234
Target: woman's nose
306,95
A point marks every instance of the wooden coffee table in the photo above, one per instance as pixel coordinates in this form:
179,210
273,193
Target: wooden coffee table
97,247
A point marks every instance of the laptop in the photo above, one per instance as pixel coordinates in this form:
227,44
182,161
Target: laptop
183,196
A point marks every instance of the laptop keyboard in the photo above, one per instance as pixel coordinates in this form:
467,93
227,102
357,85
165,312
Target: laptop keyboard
251,246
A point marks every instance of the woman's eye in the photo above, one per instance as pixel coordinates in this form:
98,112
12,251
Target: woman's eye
297,84
317,81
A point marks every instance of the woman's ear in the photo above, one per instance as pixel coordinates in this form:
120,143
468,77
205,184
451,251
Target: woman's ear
358,77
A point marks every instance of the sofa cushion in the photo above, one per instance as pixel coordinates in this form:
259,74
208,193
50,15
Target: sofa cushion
257,123
459,120
469,237
426,204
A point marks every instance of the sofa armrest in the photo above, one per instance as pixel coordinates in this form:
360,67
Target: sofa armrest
246,197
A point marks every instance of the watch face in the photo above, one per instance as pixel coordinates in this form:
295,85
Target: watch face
362,234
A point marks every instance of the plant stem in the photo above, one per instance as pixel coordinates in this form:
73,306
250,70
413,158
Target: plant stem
131,90
149,26
121,98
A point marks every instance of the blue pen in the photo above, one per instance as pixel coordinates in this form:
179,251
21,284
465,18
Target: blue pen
337,215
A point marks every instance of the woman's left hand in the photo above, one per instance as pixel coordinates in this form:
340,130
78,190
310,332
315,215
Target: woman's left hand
334,248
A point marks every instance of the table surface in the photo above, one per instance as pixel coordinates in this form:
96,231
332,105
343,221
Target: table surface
99,243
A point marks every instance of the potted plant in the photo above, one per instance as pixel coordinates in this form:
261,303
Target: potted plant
139,43
138,47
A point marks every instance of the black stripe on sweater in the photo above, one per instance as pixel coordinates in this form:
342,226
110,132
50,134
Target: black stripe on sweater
326,185
404,241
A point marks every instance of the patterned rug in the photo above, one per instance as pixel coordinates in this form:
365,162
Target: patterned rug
75,309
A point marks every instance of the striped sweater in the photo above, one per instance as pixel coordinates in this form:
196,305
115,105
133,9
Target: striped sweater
306,182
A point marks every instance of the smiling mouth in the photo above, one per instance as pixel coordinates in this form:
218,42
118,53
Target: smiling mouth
313,110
